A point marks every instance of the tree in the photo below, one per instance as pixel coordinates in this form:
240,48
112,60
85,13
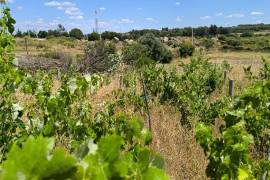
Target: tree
18,34
131,53
224,30
213,30
109,35
30,33
42,34
201,31
54,33
94,36
156,50
76,33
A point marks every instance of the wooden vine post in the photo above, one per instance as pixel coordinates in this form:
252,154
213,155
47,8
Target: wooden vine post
146,103
120,81
26,46
225,75
231,88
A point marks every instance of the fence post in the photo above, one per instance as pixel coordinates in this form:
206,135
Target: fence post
146,103
121,81
225,75
58,74
231,88
26,46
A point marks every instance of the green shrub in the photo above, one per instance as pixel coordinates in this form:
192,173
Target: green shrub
234,42
207,43
133,52
186,49
110,48
143,61
155,49
76,33
94,36
222,38
247,34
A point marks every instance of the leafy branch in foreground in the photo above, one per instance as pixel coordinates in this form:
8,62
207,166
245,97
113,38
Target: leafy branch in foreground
246,125
38,159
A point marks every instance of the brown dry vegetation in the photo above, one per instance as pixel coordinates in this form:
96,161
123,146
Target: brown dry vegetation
183,156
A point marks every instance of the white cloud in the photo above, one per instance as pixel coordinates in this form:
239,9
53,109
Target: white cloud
19,7
53,4
139,9
219,14
149,19
69,8
205,17
76,17
236,15
256,13
128,21
179,19
177,3
102,9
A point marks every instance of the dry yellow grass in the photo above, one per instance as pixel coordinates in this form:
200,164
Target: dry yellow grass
184,158
38,46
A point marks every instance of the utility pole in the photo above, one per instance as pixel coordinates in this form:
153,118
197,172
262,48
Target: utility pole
96,24
192,31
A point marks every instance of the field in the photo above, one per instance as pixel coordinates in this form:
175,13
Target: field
170,139
149,108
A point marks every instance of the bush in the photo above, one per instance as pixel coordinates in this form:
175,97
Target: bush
155,49
110,48
208,43
76,33
222,38
186,49
133,52
247,34
143,61
99,57
93,36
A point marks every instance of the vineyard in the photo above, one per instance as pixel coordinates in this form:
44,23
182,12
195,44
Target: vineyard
79,124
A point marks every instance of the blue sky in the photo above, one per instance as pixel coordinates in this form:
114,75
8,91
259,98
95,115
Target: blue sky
124,15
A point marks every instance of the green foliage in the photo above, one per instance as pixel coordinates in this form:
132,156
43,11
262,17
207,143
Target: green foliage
110,35
265,70
105,160
228,156
208,43
186,49
76,33
131,53
94,36
247,34
37,160
42,34
197,81
144,61
245,124
155,49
